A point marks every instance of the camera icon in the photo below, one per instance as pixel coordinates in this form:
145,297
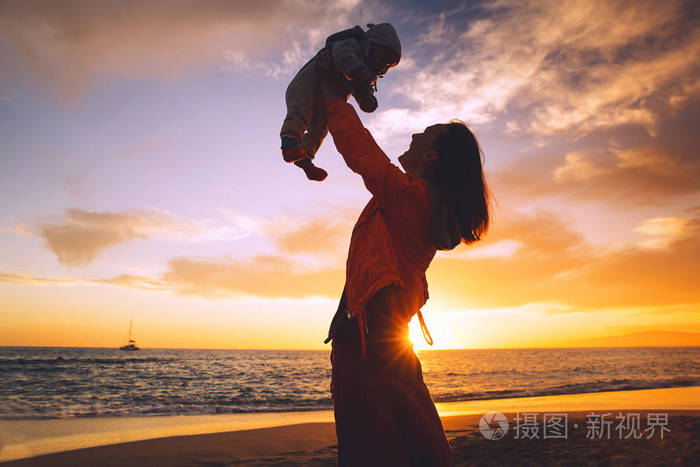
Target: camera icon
493,425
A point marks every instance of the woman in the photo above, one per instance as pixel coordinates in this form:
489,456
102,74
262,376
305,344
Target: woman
384,414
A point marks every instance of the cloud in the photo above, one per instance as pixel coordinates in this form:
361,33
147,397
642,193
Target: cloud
528,260
137,282
651,172
308,259
564,67
649,158
79,236
304,263
66,45
319,236
23,279
663,231
18,228
124,280
262,276
325,236
555,265
577,167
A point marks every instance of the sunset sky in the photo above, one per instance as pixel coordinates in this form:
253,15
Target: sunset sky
141,174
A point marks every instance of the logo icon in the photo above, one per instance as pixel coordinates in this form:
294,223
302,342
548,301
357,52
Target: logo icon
493,425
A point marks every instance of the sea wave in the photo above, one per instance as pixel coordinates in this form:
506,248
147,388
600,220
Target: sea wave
292,404
566,389
59,361
69,383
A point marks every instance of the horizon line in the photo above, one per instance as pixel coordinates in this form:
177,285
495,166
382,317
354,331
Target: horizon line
324,349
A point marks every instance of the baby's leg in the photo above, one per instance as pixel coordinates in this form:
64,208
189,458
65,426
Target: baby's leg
317,131
312,140
312,172
300,99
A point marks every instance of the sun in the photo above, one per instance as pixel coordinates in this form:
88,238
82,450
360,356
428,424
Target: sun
439,327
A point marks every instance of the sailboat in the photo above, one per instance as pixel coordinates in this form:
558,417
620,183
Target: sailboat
131,345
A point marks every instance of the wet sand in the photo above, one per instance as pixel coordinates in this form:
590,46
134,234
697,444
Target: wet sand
314,443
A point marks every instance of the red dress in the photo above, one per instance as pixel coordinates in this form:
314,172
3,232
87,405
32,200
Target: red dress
384,414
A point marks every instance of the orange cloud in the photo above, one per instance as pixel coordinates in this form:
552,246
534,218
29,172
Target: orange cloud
83,234
526,259
645,175
22,279
316,236
326,236
663,231
263,276
577,167
554,264
137,282
650,158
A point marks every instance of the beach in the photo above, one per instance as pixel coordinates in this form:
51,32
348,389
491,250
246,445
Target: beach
597,430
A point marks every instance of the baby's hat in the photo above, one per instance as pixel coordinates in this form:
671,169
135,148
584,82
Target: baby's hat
384,34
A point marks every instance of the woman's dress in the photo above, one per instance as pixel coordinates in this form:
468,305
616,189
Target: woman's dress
384,413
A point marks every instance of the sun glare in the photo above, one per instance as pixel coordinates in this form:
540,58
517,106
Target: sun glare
439,328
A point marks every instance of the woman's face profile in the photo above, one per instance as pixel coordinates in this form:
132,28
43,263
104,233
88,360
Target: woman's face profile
421,154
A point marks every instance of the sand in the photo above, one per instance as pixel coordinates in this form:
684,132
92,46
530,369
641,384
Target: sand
314,443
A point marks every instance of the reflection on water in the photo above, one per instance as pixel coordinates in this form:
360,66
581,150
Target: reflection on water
62,382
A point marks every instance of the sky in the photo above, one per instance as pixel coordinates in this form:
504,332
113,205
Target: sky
141,175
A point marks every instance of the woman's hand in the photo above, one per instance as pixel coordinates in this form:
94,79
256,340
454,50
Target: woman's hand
333,84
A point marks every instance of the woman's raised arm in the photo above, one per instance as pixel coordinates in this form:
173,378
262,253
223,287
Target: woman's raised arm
359,150
355,143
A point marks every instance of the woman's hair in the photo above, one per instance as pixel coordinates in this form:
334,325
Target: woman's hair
459,176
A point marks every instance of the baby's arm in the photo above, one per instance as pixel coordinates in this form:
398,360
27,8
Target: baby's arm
348,59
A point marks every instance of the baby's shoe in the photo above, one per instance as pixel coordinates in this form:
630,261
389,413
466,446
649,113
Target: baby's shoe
312,172
293,153
364,95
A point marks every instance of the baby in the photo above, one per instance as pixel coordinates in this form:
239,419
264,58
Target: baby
360,58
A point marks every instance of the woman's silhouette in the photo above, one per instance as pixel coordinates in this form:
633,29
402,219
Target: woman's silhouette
383,412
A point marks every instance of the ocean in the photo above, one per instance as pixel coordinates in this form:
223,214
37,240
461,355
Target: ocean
58,382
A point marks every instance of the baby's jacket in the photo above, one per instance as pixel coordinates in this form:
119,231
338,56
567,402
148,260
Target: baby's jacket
350,57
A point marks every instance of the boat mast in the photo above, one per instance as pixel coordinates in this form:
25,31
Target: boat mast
131,322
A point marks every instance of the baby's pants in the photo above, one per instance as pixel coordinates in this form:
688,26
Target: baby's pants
306,113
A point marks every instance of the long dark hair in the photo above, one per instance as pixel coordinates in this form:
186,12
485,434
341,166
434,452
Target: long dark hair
459,178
